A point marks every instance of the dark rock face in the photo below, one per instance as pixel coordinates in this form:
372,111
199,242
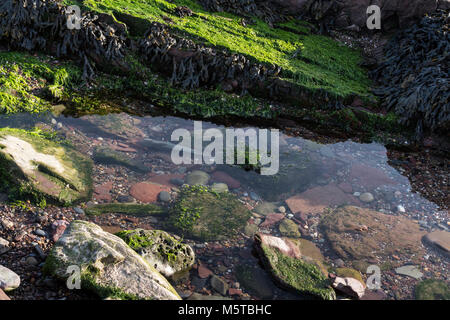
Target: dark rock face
394,13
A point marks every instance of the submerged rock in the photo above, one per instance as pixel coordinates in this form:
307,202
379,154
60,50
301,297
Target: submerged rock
108,265
410,271
108,156
359,234
295,264
289,228
266,208
255,281
315,200
161,250
197,177
219,187
43,168
200,213
147,191
124,208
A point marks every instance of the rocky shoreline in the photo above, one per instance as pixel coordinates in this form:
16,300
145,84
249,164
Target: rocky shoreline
101,194
187,64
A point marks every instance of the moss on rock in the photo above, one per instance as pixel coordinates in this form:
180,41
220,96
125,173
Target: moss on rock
202,213
166,253
295,265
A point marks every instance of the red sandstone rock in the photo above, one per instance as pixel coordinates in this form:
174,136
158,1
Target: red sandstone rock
271,219
315,200
219,176
147,191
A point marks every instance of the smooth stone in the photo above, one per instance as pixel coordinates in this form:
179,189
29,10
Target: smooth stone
31,261
366,197
40,233
164,196
282,209
219,187
401,208
9,280
197,177
177,181
78,210
4,246
440,239
409,270
254,196
265,208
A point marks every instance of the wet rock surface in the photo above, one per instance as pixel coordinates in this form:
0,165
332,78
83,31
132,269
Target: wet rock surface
362,234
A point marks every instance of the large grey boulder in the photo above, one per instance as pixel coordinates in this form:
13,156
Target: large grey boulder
108,265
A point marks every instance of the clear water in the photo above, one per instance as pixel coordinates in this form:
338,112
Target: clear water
350,168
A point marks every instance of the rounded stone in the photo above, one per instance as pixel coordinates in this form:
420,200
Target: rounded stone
219,187
9,280
197,177
366,197
164,196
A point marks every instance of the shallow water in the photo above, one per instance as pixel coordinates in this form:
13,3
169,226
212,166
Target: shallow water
325,175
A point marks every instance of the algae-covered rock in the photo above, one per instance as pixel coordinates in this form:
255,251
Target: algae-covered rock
432,289
197,177
108,265
161,250
359,234
124,208
108,156
34,165
295,264
349,273
289,228
201,213
265,208
219,187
